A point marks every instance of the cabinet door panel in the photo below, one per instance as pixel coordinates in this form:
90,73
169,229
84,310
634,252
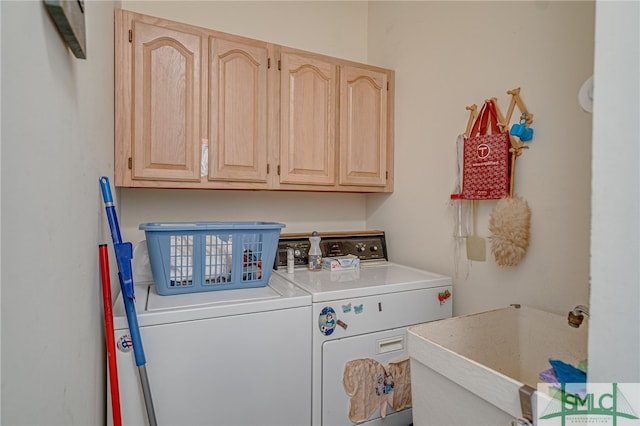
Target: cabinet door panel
238,110
166,83
363,127
326,123
308,98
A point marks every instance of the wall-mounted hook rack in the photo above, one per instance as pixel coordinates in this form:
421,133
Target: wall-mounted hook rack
472,116
516,100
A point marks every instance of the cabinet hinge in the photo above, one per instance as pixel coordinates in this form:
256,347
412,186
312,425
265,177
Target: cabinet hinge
278,169
386,175
130,163
279,65
387,86
130,36
267,168
268,63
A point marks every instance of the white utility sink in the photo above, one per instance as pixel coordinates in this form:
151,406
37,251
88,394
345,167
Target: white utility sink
468,370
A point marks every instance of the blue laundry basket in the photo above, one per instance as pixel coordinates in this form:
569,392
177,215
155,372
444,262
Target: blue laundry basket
189,257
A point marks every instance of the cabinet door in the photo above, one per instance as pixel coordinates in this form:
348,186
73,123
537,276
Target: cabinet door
166,75
363,127
237,110
308,120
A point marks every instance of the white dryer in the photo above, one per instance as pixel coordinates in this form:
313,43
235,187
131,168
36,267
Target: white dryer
360,367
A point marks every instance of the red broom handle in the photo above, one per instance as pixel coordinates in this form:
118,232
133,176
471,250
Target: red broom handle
108,328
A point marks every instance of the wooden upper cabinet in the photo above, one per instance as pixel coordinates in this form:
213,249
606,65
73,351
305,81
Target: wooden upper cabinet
363,126
166,87
307,120
238,110
271,117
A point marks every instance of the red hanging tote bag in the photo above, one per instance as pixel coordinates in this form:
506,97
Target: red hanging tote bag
485,174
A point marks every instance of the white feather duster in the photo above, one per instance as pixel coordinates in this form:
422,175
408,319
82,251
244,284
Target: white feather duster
509,226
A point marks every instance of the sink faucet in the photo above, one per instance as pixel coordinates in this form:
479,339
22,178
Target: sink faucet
576,316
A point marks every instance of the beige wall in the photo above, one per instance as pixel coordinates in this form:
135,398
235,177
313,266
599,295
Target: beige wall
448,55
444,60
614,336
57,140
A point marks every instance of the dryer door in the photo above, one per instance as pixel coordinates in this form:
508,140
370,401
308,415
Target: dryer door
363,374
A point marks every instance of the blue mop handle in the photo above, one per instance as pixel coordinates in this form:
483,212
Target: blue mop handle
124,254
124,251
111,210
134,329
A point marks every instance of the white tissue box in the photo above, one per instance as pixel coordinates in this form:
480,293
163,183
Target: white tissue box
341,263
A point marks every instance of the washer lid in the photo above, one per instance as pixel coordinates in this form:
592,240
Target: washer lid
372,280
154,309
156,302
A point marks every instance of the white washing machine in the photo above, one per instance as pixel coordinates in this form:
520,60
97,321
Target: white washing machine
219,358
359,318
